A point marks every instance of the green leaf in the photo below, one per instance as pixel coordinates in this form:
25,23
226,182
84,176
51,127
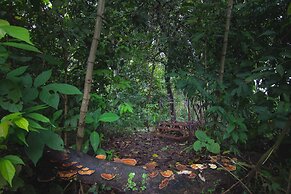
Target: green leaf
85,147
17,32
289,9
4,126
214,148
201,135
35,125
230,128
197,146
11,116
16,72
63,88
42,78
7,170
38,117
108,117
35,108
29,95
50,99
21,123
35,147
57,115
94,140
3,53
52,140
21,136
22,46
2,31
14,159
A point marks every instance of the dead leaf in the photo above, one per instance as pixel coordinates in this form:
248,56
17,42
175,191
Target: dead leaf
213,159
107,176
153,174
100,157
86,172
167,173
84,169
164,183
79,166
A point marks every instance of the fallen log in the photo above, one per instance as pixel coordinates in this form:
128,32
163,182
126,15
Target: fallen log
72,165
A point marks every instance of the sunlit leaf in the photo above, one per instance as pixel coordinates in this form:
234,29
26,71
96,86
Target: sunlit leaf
7,170
22,123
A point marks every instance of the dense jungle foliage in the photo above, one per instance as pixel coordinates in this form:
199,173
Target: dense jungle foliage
156,61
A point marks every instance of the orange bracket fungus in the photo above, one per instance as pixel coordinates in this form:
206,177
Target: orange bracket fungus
164,183
167,173
107,176
153,174
100,157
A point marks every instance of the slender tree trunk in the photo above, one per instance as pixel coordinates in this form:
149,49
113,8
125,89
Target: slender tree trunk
88,78
225,40
170,98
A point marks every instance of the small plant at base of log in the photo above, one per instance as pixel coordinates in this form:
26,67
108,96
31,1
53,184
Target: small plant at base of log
143,182
131,185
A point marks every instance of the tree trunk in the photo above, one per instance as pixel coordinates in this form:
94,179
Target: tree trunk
170,97
88,78
72,165
225,40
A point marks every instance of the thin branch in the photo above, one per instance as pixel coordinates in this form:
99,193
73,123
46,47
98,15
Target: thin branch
225,40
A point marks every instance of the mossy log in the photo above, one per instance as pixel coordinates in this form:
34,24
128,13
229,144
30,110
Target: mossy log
72,165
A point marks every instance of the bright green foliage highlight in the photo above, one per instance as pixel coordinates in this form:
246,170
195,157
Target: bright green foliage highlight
7,170
108,117
205,141
22,123
95,141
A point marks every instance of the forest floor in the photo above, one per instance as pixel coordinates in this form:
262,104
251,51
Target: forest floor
146,147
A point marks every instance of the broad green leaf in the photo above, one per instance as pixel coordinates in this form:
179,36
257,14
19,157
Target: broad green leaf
197,146
17,32
201,135
35,125
38,117
4,23
50,99
214,148
21,123
14,159
29,95
42,78
27,80
52,140
289,9
108,117
21,136
94,140
85,147
22,46
4,126
7,170
11,116
63,88
101,151
57,115
2,31
35,147
16,72
230,128
3,53
35,108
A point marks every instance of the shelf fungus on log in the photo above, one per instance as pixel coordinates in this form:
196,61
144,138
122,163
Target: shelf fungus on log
69,164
